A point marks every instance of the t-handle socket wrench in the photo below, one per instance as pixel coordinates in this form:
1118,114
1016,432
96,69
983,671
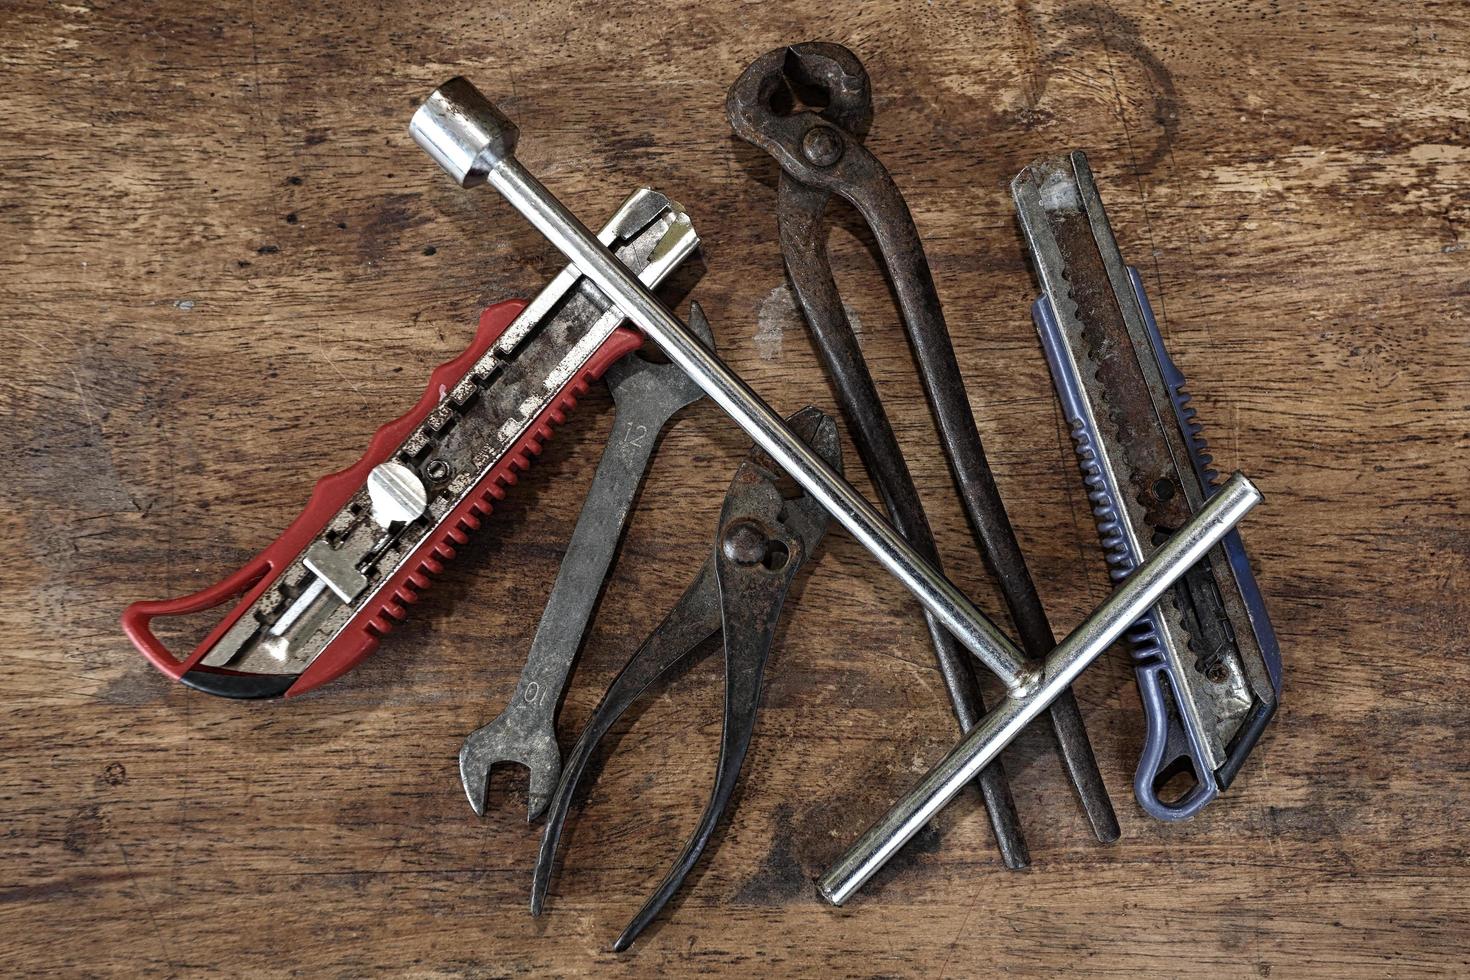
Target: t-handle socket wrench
475,143
982,744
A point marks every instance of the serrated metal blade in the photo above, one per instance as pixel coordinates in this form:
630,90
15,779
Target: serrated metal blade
1037,201
1147,469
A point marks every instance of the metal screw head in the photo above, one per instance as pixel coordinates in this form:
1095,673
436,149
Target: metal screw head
396,493
821,146
745,543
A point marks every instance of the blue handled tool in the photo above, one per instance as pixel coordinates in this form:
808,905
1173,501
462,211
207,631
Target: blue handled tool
1206,658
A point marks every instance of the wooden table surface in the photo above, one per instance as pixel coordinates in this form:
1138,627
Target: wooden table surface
223,263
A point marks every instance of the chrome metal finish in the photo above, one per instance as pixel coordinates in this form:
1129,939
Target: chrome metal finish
338,569
527,195
1131,599
463,131
397,494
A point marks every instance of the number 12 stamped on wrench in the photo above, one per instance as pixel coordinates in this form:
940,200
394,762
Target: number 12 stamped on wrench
647,396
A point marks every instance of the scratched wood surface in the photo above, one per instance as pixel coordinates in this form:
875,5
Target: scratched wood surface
223,263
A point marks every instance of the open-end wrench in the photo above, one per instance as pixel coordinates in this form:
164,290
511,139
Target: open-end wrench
647,395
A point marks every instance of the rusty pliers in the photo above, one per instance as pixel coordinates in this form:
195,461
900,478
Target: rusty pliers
766,533
810,106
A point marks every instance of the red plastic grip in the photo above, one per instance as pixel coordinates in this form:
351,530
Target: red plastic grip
390,604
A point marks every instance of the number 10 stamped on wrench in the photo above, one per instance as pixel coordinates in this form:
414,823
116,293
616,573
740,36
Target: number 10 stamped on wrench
647,396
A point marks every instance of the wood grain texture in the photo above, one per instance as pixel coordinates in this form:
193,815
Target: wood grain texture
223,263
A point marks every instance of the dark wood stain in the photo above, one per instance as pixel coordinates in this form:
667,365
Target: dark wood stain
184,360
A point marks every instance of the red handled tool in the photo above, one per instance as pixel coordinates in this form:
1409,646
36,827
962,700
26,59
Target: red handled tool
318,598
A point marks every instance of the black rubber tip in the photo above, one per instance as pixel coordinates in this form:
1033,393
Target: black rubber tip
241,687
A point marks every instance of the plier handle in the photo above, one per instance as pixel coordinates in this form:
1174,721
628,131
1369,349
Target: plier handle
764,537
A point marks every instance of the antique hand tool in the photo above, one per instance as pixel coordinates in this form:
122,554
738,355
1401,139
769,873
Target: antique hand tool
821,153
646,395
1206,657
317,600
763,539
1131,599
475,144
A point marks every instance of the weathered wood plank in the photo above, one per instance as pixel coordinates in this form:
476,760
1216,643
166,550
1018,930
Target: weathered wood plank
224,263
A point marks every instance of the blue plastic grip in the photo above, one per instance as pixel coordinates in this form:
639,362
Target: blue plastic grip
1168,741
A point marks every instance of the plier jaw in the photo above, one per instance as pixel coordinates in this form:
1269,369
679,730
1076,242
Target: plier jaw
766,532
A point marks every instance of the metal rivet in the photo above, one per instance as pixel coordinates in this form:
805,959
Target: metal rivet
745,543
396,493
821,146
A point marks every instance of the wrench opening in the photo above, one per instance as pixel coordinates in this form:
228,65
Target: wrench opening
647,396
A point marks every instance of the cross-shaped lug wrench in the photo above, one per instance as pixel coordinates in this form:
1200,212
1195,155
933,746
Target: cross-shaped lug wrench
475,143
647,396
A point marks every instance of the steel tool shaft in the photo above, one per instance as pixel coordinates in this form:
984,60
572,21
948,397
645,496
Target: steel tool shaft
1133,597
475,143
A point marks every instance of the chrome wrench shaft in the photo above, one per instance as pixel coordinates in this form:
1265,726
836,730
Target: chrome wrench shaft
475,143
1132,598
